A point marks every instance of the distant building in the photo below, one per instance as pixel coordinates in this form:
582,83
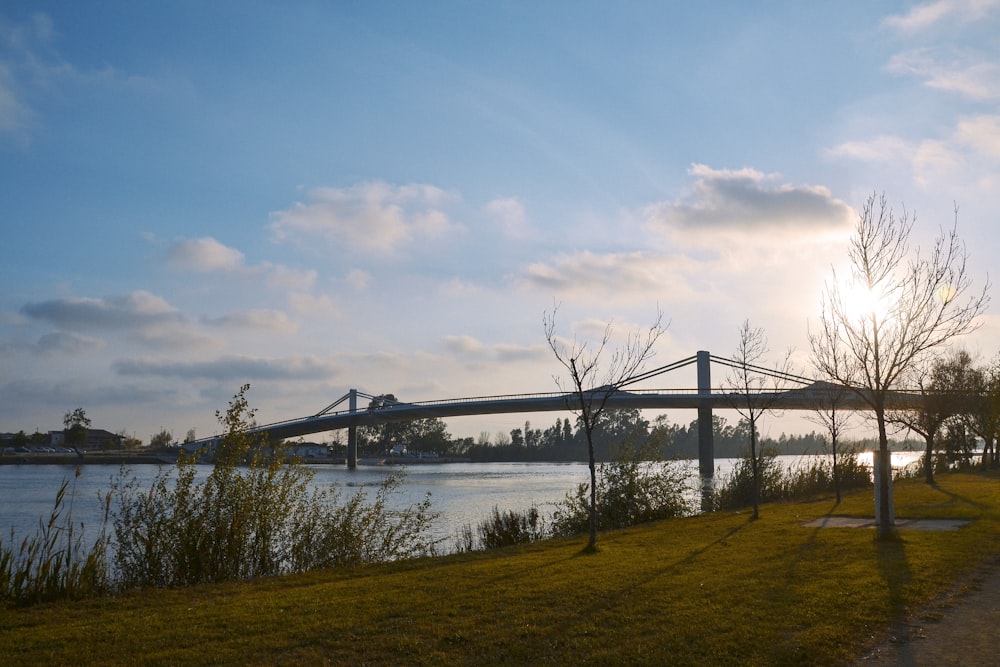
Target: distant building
309,450
97,438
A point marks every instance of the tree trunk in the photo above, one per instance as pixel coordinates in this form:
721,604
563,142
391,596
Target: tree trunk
592,542
836,469
883,521
755,469
929,459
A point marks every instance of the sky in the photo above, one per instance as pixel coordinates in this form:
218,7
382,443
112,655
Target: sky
316,196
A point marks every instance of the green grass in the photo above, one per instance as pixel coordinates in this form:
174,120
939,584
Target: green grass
714,589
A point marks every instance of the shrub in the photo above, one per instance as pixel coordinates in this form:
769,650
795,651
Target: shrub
331,533
736,490
503,529
254,515
779,483
630,490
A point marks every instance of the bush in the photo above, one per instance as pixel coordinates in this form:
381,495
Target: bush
630,491
255,515
503,529
778,483
331,533
736,490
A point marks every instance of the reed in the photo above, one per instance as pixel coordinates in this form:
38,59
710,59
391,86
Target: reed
55,563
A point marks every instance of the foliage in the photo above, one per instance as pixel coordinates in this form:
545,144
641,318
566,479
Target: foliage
779,483
77,417
75,425
418,435
503,529
630,490
161,440
54,564
331,533
254,515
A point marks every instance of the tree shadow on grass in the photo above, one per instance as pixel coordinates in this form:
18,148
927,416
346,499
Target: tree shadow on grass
894,570
959,498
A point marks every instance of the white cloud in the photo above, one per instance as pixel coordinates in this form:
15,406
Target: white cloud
885,148
31,68
208,255
204,254
69,343
460,288
747,202
509,215
258,318
974,75
463,345
970,152
375,216
278,275
469,347
314,306
131,311
613,273
231,368
510,353
982,134
928,14
359,279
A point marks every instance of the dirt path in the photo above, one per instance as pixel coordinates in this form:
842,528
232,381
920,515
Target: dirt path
960,629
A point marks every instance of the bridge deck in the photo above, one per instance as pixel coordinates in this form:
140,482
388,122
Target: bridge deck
795,399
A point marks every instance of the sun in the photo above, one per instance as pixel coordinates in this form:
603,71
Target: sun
860,302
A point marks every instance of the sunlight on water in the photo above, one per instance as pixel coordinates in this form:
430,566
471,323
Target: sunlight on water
462,493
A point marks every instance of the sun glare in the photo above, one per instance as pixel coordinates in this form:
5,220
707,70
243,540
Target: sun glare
861,302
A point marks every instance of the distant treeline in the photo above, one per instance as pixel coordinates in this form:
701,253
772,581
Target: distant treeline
565,440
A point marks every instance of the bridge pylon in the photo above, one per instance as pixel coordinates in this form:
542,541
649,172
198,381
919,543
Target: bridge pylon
706,440
352,431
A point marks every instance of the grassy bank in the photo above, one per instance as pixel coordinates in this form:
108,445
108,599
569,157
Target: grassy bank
715,589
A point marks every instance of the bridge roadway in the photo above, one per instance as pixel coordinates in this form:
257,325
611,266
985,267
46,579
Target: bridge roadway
812,397
653,399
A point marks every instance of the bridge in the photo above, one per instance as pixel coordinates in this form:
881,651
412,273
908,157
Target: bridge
809,394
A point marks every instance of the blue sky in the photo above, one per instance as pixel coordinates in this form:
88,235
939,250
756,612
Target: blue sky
314,196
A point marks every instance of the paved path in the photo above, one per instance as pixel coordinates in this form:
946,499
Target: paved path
960,629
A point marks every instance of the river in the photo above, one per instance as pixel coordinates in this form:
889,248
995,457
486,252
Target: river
461,493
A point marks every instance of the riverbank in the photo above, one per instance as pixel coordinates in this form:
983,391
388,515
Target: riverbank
168,457
710,589
86,458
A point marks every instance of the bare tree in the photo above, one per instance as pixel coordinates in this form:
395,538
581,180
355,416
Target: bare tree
754,391
831,413
939,389
592,387
923,302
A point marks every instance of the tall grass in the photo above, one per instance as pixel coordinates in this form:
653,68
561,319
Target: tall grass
778,482
54,563
255,515
502,529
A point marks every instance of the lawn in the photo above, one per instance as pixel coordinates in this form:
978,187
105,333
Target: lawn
713,589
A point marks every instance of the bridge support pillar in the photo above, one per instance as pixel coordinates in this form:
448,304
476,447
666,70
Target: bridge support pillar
706,443
352,432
